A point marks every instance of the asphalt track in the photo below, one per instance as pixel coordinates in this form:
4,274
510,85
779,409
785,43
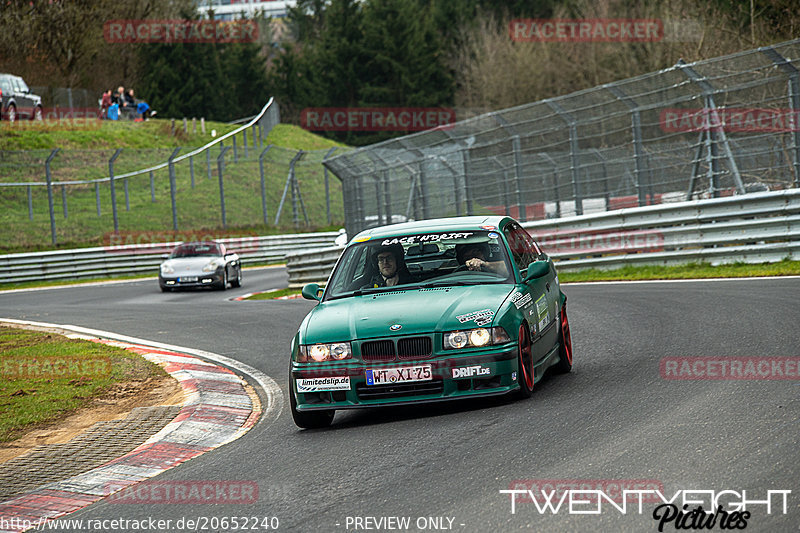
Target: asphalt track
613,418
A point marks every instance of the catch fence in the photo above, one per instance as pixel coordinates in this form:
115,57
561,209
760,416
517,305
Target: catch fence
714,128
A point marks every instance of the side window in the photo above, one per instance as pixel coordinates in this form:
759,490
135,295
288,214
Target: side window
523,249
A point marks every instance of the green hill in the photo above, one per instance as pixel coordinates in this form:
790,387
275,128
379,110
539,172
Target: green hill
84,155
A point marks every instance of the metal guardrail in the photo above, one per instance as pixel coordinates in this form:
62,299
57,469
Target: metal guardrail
142,258
752,228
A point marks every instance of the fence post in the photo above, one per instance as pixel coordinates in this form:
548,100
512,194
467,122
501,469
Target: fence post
220,166
208,162
235,151
64,200
127,197
327,187
152,188
640,168
378,200
263,183
244,141
255,146
49,179
387,196
523,209
573,152
30,204
606,192
113,190
467,179
717,132
191,169
556,194
794,102
289,183
172,188
97,197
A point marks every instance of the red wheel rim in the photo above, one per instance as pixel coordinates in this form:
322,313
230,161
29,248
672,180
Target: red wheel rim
566,338
525,354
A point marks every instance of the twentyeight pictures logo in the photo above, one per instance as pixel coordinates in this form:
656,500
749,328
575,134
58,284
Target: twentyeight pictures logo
682,509
180,31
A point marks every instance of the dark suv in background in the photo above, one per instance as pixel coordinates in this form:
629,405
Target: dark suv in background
17,101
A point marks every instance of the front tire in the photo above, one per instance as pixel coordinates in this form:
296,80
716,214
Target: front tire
525,358
38,115
12,113
224,283
311,419
236,283
564,364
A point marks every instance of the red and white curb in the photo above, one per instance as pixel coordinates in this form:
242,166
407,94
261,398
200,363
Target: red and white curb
217,411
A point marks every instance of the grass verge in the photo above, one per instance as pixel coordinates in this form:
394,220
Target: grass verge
687,271
271,295
46,375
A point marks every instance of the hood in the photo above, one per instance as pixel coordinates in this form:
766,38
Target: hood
189,264
418,311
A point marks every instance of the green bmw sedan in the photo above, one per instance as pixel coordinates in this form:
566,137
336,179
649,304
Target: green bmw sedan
429,311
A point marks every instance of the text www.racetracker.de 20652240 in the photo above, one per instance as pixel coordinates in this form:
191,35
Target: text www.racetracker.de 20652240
196,523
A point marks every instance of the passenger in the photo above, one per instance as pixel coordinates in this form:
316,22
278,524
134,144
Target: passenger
392,269
474,257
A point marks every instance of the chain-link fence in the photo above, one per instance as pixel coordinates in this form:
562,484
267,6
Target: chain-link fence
712,128
92,196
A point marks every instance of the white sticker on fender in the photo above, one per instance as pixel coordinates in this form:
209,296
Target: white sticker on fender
323,384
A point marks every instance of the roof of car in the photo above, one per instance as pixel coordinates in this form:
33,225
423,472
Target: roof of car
436,225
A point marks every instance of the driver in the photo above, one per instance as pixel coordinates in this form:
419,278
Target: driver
392,268
473,256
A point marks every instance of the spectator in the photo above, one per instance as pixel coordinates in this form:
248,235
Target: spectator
105,103
119,96
142,107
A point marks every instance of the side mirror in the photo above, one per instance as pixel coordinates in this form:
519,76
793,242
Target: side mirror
536,270
312,291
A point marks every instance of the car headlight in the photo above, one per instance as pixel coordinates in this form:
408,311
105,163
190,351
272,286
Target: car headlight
212,266
471,338
317,353
167,268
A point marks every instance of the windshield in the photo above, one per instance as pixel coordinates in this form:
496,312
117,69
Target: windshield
195,250
421,260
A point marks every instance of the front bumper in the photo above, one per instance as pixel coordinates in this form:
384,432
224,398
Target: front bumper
201,279
488,373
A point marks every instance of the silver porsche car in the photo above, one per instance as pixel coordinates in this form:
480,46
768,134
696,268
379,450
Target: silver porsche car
200,264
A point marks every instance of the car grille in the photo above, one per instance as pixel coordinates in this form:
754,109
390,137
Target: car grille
414,347
378,351
407,348
377,392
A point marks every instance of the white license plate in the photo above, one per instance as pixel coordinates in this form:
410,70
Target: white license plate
187,279
406,374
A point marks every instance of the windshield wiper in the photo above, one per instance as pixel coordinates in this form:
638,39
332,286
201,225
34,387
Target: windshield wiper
447,283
